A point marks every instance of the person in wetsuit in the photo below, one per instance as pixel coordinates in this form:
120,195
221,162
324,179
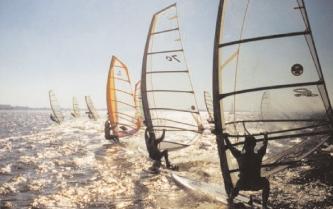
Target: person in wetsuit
107,132
53,118
249,164
154,153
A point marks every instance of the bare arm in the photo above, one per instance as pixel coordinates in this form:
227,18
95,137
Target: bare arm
162,137
235,152
262,150
146,135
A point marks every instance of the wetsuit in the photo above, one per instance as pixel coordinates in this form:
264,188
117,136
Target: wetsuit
154,153
53,118
107,131
250,171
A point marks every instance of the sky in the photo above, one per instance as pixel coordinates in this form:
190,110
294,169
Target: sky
67,45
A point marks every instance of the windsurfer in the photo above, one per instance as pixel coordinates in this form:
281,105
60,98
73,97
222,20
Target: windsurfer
90,115
53,118
249,164
197,119
155,154
107,132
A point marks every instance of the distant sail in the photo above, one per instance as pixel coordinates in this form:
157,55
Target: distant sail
265,61
168,98
92,113
138,101
76,109
120,100
209,106
57,115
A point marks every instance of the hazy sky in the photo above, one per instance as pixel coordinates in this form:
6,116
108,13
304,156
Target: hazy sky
67,45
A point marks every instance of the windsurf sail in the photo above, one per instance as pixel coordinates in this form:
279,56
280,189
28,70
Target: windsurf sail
138,102
76,109
168,97
209,106
92,113
120,100
266,68
56,115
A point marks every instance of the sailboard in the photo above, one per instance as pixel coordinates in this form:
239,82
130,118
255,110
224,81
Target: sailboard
214,191
266,68
138,102
168,97
76,108
120,100
56,115
92,113
209,106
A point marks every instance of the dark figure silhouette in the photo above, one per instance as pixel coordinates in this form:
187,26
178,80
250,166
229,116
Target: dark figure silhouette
249,164
155,154
53,118
123,128
107,132
90,115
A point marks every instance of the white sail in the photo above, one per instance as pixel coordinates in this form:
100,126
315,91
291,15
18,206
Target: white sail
76,108
57,115
92,113
265,61
168,98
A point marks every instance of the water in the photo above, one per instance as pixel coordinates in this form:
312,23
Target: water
16,123
46,165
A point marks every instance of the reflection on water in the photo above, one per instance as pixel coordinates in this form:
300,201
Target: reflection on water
45,165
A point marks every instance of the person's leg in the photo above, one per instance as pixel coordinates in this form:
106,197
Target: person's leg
107,130
265,191
235,192
155,168
167,162
165,154
115,139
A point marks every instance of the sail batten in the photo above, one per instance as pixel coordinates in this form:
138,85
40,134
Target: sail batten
167,90
221,96
165,31
167,51
166,71
269,37
173,109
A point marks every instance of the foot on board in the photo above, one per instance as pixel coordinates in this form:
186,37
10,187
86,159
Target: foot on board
173,167
153,170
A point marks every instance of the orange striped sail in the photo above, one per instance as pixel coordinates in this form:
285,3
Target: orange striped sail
121,105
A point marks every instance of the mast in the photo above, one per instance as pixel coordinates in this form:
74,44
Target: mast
217,106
